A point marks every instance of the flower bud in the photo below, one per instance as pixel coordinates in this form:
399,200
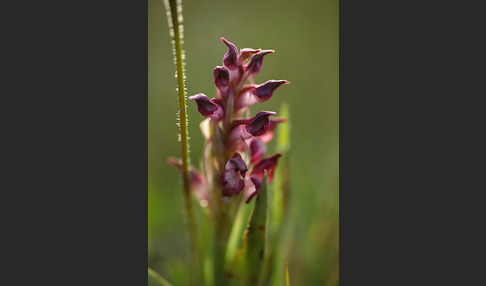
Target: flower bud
230,59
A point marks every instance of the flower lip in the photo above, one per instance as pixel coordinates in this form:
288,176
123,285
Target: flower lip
237,163
230,59
232,182
265,90
231,178
258,125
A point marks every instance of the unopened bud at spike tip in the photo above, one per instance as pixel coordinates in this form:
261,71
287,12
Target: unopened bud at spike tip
230,59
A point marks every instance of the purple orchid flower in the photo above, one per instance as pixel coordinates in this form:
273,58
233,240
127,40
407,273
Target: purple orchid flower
237,163
208,108
258,124
264,91
232,177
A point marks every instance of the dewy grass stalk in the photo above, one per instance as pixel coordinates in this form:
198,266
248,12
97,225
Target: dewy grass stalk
174,16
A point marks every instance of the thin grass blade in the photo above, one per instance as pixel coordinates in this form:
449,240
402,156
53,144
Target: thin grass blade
154,278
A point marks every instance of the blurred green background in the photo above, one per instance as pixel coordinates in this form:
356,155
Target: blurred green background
305,37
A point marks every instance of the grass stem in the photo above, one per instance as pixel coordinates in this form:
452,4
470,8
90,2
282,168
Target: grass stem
174,15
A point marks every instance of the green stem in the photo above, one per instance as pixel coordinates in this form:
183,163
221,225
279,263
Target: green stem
174,15
221,242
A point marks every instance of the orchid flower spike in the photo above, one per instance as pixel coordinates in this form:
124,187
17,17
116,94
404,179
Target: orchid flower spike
235,145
